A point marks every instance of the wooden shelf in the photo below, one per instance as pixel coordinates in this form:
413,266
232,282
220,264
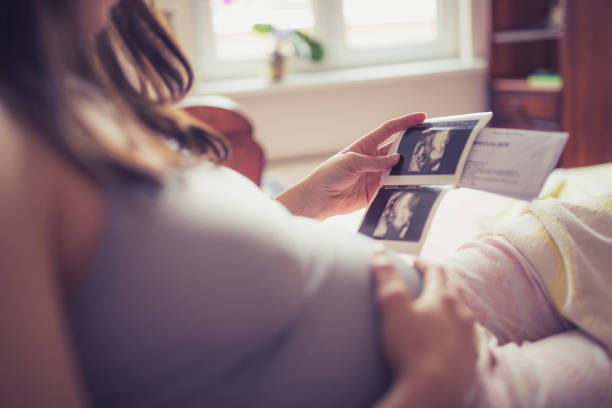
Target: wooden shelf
521,85
523,44
527,35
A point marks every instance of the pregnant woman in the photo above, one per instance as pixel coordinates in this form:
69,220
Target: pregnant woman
136,272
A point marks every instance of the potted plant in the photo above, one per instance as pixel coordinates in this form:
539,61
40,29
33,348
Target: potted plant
288,43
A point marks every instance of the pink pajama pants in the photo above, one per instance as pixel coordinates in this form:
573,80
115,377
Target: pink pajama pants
532,356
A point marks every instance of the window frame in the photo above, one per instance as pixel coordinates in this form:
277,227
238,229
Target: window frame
329,27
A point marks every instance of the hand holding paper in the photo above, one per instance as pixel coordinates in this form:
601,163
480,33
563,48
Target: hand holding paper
443,153
348,180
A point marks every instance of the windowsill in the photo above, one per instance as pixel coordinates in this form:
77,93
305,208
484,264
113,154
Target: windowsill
342,77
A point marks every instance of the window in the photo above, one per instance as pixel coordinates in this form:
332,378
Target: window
233,23
353,32
389,23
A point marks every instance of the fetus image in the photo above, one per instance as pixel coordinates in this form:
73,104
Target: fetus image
429,151
394,222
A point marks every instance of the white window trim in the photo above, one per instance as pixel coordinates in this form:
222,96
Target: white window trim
190,16
341,57
193,22
340,78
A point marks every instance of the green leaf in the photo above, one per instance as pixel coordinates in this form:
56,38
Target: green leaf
314,47
264,28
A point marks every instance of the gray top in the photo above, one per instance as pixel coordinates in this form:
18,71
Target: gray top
207,293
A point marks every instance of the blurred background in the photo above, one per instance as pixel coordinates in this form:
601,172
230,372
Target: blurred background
313,75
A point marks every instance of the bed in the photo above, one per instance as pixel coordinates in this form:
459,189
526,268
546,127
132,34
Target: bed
465,214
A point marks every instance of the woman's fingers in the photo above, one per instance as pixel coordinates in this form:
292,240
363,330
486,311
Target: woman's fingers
434,277
370,164
436,289
391,127
391,290
384,149
422,264
430,340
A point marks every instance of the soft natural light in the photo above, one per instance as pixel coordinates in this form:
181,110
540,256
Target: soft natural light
389,23
233,24
353,33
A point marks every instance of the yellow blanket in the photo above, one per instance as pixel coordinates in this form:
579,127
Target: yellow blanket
570,245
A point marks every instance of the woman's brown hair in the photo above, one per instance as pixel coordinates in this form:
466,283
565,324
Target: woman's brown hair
135,64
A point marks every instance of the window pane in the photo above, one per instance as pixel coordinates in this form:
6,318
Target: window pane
233,22
390,23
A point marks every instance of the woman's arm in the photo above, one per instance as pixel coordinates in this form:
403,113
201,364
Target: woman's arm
347,181
429,342
36,366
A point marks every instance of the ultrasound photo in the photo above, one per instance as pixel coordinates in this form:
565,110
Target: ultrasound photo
400,213
433,148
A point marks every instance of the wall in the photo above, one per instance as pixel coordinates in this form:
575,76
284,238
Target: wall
313,116
312,120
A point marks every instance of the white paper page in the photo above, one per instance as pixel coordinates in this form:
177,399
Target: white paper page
512,162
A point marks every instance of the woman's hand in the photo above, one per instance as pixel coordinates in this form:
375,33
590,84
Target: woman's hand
347,181
430,342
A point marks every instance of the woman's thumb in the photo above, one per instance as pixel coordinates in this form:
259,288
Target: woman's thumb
391,289
376,163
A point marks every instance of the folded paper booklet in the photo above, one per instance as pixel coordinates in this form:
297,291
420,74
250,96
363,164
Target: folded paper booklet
455,151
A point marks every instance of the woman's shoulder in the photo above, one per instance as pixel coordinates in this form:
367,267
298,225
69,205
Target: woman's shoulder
13,157
33,176
44,194
21,205
24,158
26,190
